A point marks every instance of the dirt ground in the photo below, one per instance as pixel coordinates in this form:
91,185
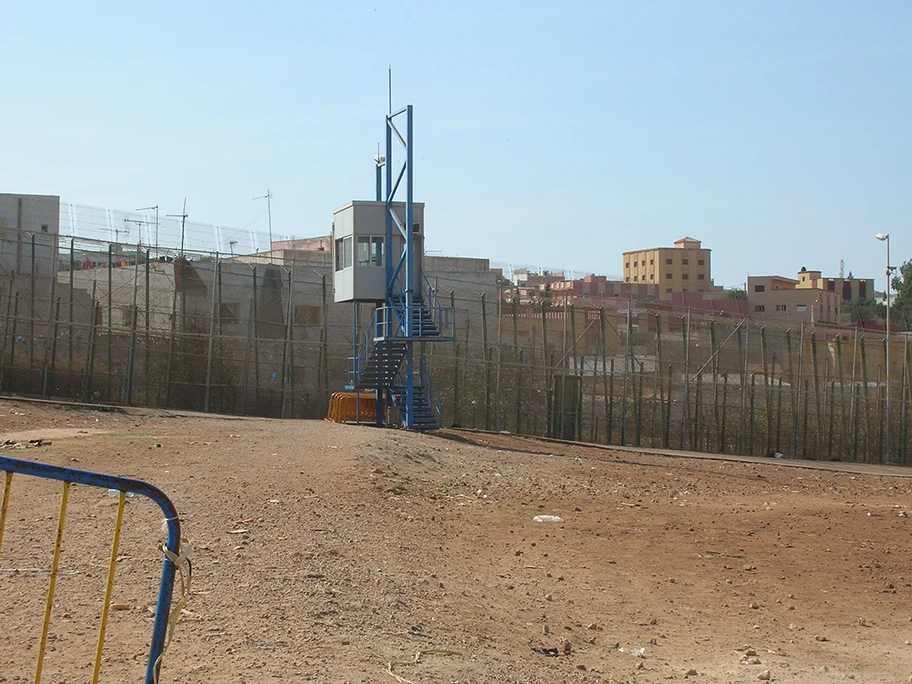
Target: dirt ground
335,553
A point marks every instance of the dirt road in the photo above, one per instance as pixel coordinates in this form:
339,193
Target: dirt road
336,553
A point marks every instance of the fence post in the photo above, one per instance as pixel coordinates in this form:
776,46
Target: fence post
798,424
90,354
722,423
867,409
742,362
686,420
602,342
32,276
174,267
610,401
779,417
12,356
638,405
108,370
71,313
256,340
53,353
804,430
714,351
818,407
486,359
905,403
146,337
519,392
131,351
213,316
767,396
286,348
457,408
752,422
668,407
832,407
696,420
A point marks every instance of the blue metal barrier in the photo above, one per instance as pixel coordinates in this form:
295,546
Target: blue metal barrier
171,547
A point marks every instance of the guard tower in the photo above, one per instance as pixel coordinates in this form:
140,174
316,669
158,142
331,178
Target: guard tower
378,252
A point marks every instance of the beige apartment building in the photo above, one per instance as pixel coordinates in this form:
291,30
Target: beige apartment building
682,268
848,289
784,298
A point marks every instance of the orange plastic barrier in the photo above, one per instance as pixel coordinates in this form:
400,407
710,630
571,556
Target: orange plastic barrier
352,407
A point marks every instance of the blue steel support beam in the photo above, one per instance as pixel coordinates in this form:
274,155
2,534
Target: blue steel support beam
409,273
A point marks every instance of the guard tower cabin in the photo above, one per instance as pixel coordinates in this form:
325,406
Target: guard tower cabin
359,230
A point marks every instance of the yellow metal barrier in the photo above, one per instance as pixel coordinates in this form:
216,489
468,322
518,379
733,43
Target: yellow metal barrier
352,407
174,561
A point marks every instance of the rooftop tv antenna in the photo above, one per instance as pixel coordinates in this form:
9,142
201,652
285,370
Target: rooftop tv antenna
139,223
268,198
841,268
183,218
156,224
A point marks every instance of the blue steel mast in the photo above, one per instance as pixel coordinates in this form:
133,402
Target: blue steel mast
410,312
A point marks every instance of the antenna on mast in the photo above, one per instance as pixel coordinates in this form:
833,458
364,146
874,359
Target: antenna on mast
389,86
841,268
156,224
183,218
268,198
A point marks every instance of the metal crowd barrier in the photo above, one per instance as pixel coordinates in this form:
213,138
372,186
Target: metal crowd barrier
174,562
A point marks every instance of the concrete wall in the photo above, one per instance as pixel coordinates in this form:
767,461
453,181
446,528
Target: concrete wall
29,233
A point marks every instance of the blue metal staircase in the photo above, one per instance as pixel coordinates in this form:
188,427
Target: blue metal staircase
382,359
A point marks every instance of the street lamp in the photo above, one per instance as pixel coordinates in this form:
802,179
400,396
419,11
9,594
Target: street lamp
885,237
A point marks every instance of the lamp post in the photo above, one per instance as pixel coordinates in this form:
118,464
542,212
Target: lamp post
885,237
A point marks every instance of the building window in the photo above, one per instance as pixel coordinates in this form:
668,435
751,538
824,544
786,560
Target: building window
780,307
668,291
668,261
362,251
343,253
759,308
668,276
685,276
684,261
635,278
801,308
701,262
652,276
44,227
759,288
627,279
700,276
627,265
652,262
643,262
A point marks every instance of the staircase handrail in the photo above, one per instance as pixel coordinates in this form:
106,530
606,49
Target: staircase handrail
431,391
356,363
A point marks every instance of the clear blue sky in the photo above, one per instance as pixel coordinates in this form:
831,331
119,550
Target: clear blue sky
553,134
